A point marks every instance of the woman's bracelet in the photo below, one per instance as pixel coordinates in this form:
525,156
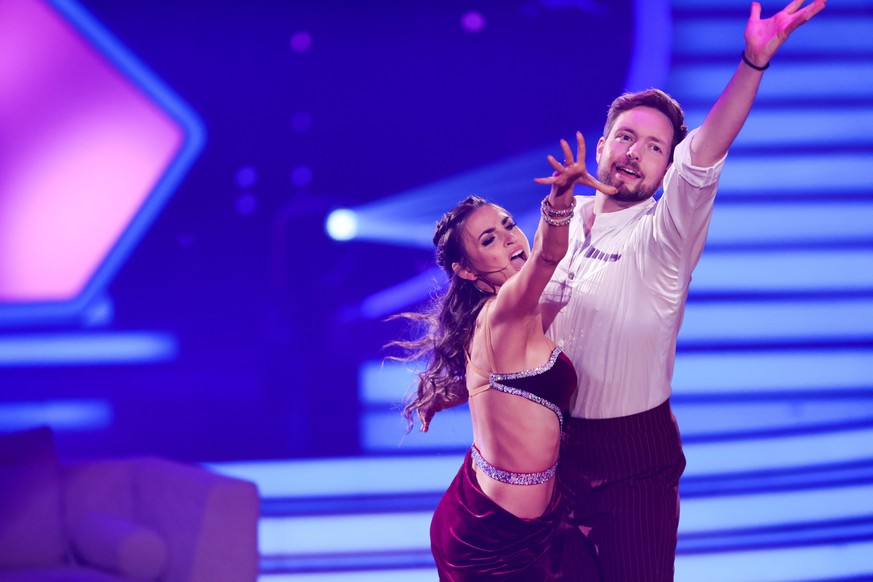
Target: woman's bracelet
753,65
552,222
547,209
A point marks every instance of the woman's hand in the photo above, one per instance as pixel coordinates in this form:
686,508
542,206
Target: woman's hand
572,172
764,37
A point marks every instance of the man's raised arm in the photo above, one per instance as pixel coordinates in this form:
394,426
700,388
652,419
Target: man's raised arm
763,38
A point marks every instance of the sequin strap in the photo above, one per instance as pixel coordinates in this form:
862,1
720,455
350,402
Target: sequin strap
509,477
496,382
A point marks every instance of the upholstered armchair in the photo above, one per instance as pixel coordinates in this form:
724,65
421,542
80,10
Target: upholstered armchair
139,519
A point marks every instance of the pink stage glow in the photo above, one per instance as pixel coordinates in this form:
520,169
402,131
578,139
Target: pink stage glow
81,148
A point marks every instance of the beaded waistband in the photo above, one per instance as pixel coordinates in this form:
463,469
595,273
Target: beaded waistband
510,477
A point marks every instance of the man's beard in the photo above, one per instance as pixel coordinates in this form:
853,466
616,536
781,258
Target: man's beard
640,192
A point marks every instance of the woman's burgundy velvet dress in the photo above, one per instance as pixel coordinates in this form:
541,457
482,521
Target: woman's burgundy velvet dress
473,538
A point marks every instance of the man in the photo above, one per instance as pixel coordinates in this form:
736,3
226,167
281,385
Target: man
616,303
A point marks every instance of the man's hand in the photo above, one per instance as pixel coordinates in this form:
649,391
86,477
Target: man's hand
764,37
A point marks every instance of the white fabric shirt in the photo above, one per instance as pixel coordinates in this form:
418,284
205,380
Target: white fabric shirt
618,296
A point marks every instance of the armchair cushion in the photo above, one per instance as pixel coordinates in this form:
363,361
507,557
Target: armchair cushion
120,546
31,522
208,521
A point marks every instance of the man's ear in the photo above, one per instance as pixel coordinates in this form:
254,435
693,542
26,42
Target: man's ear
463,272
599,148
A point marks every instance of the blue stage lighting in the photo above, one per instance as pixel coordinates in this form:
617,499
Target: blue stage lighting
342,224
90,414
86,349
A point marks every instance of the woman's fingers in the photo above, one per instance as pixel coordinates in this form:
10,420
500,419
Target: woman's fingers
568,153
555,163
600,186
573,170
580,148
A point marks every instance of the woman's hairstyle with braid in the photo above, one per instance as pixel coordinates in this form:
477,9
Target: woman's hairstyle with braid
448,323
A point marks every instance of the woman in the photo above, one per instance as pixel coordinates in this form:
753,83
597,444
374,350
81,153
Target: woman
501,516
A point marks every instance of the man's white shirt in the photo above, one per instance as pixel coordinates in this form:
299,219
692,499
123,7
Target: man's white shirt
618,296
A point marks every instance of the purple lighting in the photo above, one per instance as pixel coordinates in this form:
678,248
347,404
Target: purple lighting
81,149
300,42
185,239
301,176
246,177
473,21
246,203
301,122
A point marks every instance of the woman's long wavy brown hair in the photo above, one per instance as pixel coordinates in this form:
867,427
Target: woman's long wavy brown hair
448,322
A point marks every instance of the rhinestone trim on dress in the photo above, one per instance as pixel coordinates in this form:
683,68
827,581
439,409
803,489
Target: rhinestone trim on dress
494,380
510,477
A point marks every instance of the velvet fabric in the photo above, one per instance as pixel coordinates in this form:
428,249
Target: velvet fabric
473,538
555,384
